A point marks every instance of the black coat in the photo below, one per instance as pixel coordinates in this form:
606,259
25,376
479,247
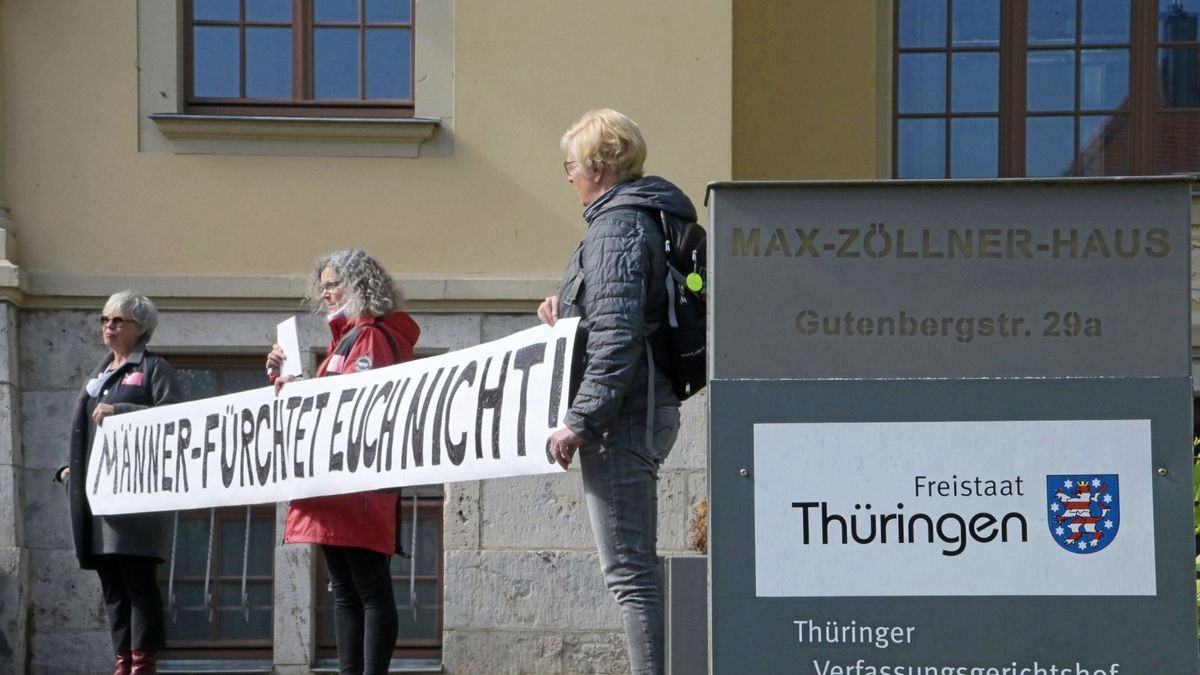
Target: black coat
143,381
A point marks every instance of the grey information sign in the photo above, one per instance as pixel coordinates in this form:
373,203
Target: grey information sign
923,487
953,279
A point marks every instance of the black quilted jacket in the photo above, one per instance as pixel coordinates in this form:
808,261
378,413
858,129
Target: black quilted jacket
614,282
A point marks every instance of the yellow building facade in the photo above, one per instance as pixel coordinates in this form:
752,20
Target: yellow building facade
111,177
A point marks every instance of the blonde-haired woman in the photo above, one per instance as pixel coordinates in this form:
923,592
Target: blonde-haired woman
357,532
625,416
124,550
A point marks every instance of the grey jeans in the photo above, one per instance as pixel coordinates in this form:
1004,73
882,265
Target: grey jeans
620,483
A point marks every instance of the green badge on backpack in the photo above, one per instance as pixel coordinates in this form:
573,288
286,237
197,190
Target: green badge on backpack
694,282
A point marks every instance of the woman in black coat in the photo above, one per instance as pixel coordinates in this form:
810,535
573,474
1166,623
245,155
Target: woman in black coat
123,549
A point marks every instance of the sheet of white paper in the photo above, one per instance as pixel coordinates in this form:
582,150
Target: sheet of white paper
287,335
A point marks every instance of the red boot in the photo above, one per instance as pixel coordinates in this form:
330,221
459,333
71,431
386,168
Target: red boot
124,662
144,663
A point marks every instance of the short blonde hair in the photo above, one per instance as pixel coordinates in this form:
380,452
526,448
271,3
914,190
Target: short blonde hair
137,307
606,139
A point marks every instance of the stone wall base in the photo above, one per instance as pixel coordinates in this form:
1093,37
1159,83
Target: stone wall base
533,651
14,622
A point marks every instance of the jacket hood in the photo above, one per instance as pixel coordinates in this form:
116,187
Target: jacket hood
649,192
401,327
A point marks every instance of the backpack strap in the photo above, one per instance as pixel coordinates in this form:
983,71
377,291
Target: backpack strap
649,398
672,319
346,344
390,340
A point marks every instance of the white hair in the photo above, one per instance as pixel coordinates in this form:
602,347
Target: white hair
137,307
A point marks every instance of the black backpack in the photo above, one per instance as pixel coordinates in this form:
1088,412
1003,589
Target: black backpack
683,349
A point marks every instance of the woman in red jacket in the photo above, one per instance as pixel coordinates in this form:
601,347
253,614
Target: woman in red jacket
357,532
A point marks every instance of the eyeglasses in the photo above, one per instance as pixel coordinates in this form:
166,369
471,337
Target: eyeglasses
330,286
567,166
114,321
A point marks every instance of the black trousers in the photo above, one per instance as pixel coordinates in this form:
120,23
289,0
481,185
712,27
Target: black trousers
132,601
365,620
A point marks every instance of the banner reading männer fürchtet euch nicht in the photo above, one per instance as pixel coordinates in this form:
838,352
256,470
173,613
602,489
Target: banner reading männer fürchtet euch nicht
481,412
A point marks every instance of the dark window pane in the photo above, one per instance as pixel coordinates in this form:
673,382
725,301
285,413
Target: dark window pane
189,594
262,544
425,623
190,620
921,149
975,82
193,556
1103,145
1050,80
922,83
1187,5
1104,79
335,63
260,560
229,595
1177,20
976,22
234,380
427,554
268,10
922,23
190,547
399,11
268,62
1179,77
1177,142
197,383
975,148
225,578
335,10
215,10
1105,21
1049,146
232,533
1051,22
389,63
234,623
215,62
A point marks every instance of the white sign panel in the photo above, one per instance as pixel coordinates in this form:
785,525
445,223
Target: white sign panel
482,412
287,336
1058,507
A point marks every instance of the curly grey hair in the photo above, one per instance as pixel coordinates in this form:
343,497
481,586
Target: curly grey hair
368,287
137,307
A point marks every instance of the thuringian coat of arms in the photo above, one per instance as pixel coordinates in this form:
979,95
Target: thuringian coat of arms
1084,510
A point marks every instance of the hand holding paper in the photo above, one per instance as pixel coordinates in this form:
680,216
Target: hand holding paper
287,336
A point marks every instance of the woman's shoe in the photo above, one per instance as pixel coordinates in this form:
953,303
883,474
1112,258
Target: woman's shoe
144,663
124,661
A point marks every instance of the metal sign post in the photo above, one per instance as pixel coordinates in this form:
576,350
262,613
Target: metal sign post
950,428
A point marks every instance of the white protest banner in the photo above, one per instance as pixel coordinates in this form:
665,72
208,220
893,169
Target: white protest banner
482,412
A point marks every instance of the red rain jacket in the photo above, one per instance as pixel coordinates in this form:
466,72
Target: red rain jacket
361,519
